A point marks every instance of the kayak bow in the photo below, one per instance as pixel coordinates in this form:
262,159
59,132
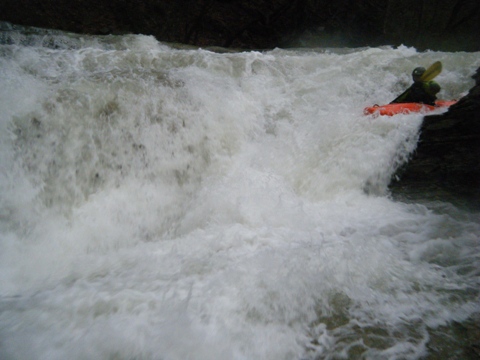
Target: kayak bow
406,108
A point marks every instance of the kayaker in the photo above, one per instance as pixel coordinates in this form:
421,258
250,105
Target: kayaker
421,91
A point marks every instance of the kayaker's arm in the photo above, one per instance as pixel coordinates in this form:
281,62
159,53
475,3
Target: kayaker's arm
402,96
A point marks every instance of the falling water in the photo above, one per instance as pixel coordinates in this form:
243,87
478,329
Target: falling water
159,202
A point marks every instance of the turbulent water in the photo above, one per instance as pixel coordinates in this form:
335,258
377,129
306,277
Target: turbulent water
159,202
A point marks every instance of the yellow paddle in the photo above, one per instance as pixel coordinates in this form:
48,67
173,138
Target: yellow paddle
432,71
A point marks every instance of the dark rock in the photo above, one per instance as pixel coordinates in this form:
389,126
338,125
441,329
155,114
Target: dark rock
447,157
437,25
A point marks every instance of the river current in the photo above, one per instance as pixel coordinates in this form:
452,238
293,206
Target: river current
164,202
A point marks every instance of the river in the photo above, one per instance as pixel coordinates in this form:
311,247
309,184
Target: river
165,202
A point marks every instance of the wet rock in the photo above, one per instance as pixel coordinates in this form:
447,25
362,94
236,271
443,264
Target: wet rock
447,157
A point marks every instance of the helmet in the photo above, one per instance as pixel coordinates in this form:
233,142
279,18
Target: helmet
417,73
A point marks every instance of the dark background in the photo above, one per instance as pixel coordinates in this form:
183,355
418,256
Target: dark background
448,25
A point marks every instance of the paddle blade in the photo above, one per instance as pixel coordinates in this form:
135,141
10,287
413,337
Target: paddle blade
432,71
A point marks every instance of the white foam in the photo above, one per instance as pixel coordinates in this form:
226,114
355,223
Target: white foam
188,204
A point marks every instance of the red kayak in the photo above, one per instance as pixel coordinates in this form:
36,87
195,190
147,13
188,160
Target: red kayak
406,108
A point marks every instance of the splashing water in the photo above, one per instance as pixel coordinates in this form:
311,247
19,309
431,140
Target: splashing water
166,203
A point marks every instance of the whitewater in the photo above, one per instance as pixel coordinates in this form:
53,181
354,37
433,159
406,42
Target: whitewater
165,202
